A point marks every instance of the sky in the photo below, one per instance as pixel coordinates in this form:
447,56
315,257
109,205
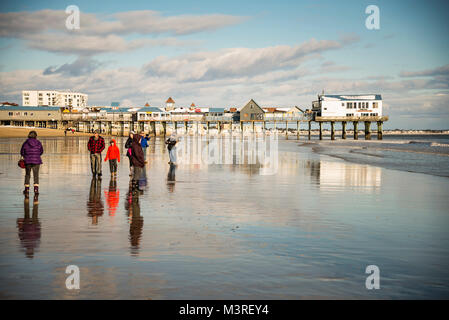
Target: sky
224,53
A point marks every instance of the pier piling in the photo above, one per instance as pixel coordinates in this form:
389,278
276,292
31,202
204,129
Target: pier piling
310,129
356,130
321,130
379,130
332,130
367,130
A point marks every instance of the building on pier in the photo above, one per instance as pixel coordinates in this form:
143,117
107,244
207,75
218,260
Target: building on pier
26,116
169,104
251,112
152,113
351,105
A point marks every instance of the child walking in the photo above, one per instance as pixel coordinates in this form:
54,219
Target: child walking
113,155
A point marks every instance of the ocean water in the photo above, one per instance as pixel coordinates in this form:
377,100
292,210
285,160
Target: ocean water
223,231
427,154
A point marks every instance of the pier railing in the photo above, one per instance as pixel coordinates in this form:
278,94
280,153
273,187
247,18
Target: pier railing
287,117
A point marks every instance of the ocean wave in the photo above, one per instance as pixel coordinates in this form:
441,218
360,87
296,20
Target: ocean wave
436,144
423,143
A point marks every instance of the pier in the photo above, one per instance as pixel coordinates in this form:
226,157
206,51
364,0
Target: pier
120,124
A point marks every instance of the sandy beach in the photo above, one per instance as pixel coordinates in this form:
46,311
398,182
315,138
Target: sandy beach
17,132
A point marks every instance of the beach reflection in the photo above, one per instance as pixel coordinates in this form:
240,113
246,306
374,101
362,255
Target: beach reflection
112,196
171,178
135,220
340,174
95,206
214,230
334,175
29,228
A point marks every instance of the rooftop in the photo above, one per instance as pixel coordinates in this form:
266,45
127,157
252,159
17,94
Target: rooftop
346,97
27,108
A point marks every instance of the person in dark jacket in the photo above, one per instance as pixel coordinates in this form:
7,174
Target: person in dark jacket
128,143
137,160
96,146
31,152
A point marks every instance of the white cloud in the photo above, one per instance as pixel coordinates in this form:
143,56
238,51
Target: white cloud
237,62
22,24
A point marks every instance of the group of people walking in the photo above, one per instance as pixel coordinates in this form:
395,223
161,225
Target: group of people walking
135,146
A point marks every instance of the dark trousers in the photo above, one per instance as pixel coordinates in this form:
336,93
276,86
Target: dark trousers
95,163
138,171
113,165
35,168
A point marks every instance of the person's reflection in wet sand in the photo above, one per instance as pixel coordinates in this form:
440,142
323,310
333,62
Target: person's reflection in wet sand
132,207
29,228
143,179
171,178
95,207
112,196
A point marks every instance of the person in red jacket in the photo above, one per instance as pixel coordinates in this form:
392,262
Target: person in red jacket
113,155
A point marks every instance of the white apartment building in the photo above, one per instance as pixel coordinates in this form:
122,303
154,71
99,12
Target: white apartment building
363,105
34,98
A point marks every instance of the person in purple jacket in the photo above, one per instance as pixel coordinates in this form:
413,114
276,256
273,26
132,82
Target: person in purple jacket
31,152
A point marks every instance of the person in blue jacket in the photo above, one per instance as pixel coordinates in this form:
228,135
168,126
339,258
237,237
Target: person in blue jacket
144,144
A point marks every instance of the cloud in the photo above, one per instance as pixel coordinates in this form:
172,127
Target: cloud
92,45
440,71
144,22
80,67
237,62
349,38
46,30
151,22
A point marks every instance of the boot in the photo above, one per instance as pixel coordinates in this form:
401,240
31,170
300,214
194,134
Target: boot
26,192
136,186
36,189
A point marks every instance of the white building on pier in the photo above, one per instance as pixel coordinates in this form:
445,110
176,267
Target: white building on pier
359,105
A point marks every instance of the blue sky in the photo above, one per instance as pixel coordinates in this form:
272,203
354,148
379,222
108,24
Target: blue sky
277,52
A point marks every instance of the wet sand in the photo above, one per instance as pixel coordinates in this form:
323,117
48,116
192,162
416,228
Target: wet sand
18,132
221,231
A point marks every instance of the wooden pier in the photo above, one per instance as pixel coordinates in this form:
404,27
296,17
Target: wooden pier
122,124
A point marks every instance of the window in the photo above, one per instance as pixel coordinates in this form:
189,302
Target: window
10,114
342,104
375,105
